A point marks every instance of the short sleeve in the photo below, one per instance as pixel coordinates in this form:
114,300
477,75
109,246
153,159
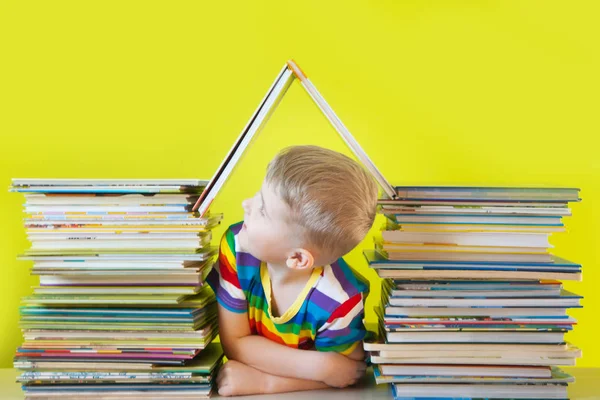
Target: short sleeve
344,329
223,278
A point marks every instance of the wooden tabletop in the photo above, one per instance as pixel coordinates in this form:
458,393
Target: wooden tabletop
586,387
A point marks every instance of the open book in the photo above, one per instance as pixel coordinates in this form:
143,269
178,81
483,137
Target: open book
266,107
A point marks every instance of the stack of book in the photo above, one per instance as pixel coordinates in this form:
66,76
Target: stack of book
121,310
472,303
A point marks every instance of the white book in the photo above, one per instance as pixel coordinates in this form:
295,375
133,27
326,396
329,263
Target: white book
118,244
475,293
529,268
479,361
493,193
476,312
123,272
511,391
416,227
567,299
182,257
474,337
114,290
120,266
124,229
473,321
39,334
103,311
558,377
457,274
444,248
471,203
476,219
174,279
513,286
476,210
132,223
107,182
134,393
89,189
80,236
81,366
469,238
467,256
41,199
71,209
78,268
26,376
460,370
522,352
446,347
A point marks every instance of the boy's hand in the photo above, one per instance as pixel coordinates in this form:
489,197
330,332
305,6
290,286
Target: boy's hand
236,379
341,371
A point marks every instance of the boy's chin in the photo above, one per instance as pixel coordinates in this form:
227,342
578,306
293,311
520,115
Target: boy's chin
246,248
243,240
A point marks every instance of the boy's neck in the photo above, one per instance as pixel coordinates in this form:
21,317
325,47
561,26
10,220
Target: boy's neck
282,274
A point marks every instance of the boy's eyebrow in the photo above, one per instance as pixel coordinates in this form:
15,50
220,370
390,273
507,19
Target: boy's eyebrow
263,202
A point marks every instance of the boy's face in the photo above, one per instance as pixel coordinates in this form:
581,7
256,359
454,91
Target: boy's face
267,233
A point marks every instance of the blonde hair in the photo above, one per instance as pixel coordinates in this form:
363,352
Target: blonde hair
332,197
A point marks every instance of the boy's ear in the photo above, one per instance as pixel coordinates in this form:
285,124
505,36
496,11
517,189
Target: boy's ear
300,259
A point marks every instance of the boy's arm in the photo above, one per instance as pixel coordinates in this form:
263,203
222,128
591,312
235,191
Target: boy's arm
277,359
237,379
281,384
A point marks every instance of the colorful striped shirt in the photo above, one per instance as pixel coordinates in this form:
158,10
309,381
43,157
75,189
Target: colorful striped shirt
326,316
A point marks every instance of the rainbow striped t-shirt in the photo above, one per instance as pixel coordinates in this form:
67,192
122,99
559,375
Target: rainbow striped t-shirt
326,316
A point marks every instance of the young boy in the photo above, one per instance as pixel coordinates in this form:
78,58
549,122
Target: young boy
283,289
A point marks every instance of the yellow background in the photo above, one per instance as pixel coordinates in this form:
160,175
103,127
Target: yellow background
436,92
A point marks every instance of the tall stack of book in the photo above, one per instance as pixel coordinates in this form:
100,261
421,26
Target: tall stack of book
121,310
473,306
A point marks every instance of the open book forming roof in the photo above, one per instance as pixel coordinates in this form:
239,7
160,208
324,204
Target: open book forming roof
266,107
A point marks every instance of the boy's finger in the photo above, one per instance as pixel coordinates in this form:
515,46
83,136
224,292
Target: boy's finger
220,379
224,391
